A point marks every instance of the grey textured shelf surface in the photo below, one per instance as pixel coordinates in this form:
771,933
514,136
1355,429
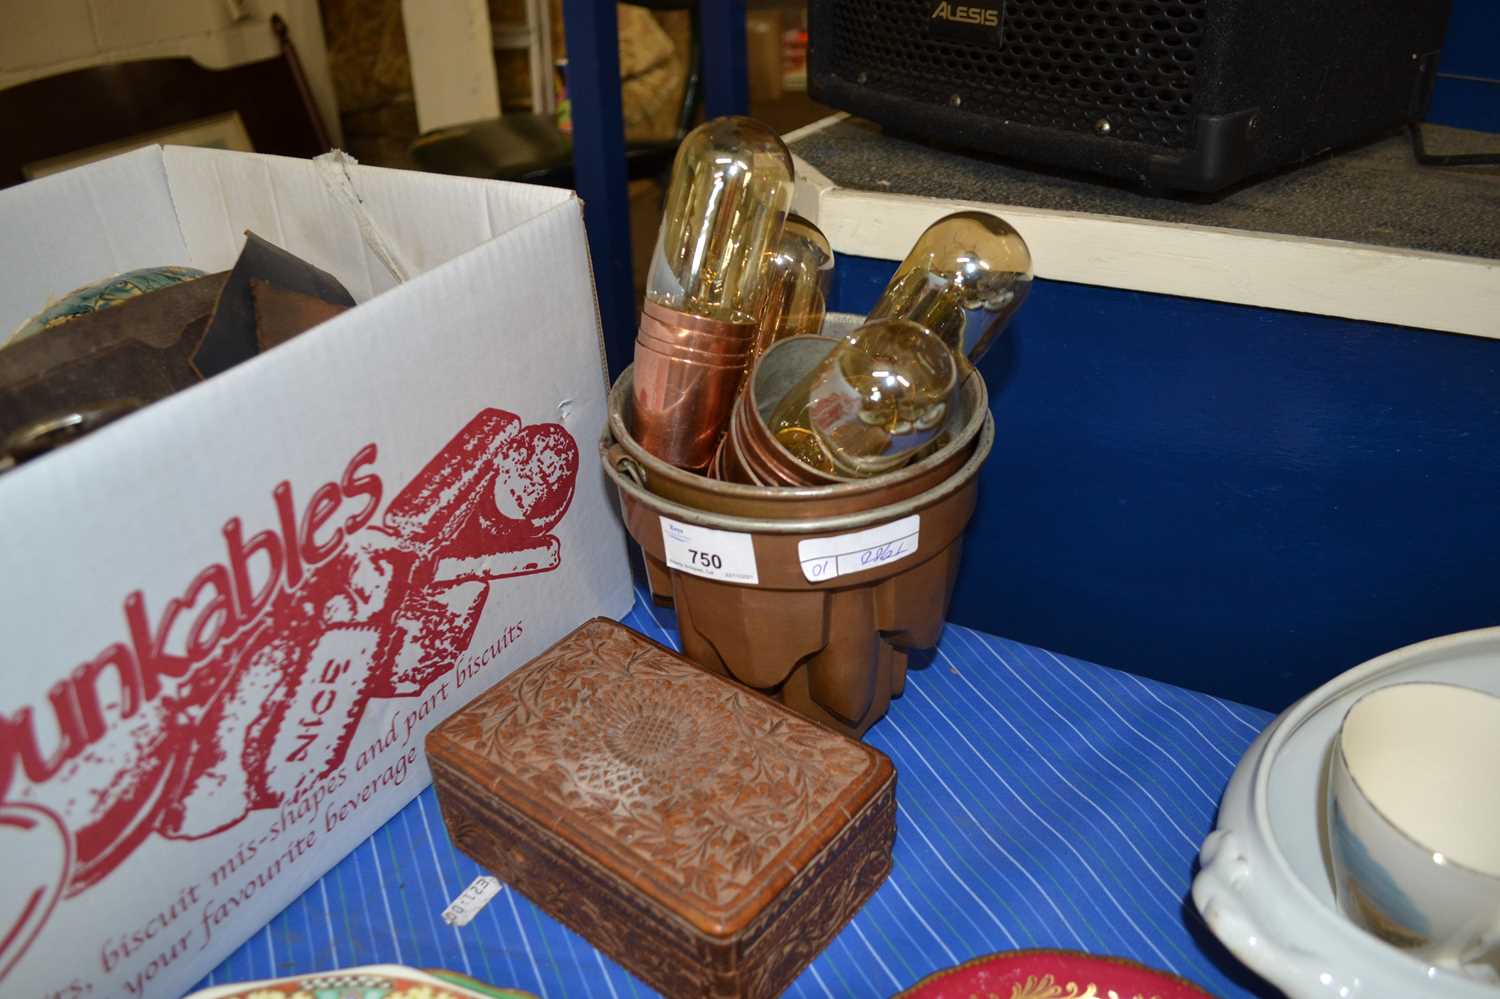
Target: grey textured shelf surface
1375,194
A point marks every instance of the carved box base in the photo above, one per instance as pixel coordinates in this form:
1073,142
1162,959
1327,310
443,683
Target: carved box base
708,839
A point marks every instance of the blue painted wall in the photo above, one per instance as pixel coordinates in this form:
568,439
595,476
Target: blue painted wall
1237,500
1467,94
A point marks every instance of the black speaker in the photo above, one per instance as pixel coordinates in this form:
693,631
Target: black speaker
1191,95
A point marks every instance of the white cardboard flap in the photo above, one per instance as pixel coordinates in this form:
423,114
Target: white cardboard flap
182,205
428,218
78,226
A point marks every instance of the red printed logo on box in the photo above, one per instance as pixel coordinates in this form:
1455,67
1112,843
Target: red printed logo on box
243,692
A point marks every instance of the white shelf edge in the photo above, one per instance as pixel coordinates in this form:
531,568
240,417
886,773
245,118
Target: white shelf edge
1429,291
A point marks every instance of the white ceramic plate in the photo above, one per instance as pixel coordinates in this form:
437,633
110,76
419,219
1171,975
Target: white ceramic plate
1265,888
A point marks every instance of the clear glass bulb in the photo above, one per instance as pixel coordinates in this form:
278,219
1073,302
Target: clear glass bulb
881,395
730,191
963,280
793,295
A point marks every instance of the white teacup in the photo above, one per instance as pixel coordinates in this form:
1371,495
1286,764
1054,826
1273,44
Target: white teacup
1414,822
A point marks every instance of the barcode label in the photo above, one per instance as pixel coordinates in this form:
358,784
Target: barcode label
474,898
726,555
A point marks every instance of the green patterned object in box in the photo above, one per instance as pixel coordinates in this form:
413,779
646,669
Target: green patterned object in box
103,294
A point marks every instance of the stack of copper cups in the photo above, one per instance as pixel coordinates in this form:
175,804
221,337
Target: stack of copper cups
688,369
749,452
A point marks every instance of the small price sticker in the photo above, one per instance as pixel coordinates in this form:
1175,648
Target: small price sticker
473,898
702,551
827,558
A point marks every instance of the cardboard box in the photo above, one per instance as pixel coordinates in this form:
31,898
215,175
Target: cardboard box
230,618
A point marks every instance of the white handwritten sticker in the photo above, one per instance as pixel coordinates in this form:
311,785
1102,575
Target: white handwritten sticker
474,898
826,558
726,555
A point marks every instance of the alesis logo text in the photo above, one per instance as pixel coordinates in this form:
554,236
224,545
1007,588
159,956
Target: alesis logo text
243,690
965,22
982,16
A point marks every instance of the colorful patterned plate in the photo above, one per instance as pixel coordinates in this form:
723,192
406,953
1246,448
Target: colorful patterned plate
1052,974
101,295
378,981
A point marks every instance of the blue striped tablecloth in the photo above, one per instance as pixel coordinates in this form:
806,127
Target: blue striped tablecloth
1042,802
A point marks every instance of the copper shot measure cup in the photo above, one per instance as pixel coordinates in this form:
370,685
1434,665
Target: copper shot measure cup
685,383
760,457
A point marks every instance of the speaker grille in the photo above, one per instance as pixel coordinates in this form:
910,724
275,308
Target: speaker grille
1069,64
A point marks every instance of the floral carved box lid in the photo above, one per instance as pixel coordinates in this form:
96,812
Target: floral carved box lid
700,794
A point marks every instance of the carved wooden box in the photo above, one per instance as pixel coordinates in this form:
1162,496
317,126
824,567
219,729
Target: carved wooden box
706,838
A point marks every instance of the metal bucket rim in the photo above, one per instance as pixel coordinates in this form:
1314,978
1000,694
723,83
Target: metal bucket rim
615,431
757,525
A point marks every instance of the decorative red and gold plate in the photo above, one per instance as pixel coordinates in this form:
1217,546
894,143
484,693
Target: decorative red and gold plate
376,981
1052,974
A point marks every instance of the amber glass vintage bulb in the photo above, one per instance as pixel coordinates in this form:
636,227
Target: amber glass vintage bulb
730,190
874,401
793,294
963,280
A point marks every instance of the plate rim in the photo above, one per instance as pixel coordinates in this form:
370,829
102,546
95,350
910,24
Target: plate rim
1023,952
